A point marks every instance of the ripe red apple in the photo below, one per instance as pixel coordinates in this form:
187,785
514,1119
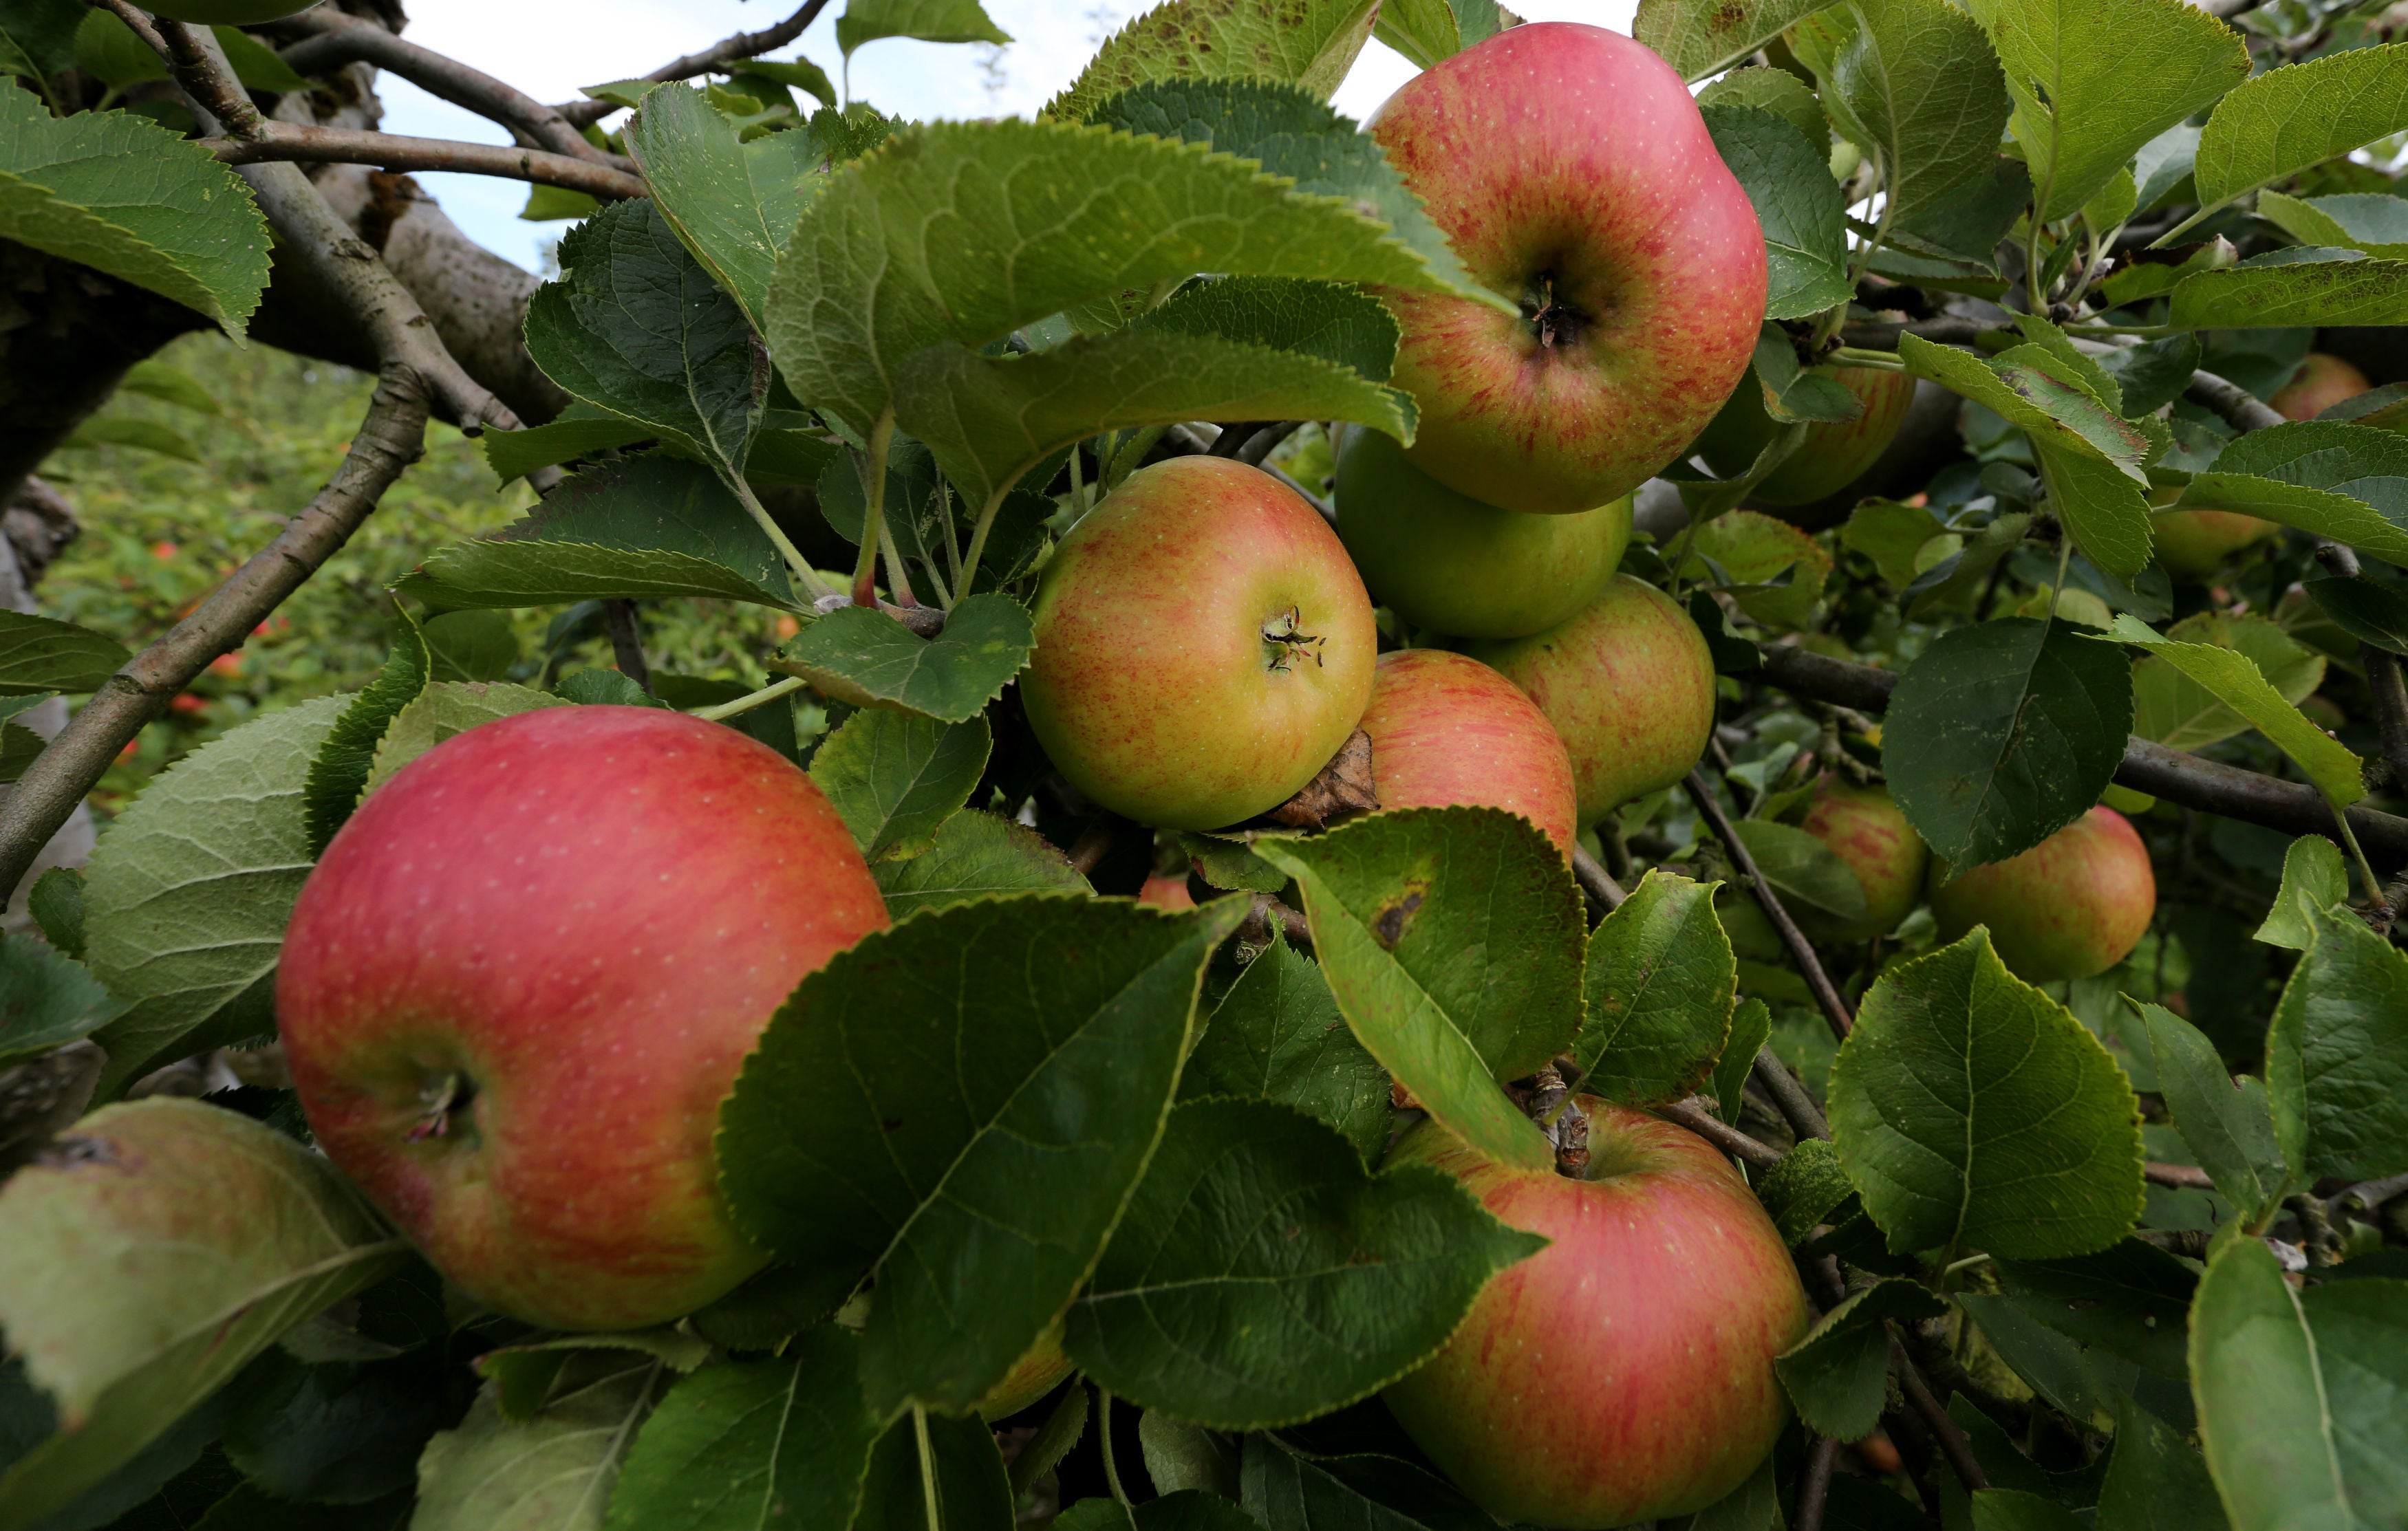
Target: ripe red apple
1572,175
1454,564
1446,730
1832,456
1629,685
2070,907
523,978
1625,1372
2321,382
1203,646
1864,828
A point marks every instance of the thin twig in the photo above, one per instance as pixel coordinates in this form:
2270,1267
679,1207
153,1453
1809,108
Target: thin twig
2180,1177
342,39
1790,1098
1694,1115
1231,440
727,50
390,152
1814,1486
1596,883
1936,1418
1801,951
2367,1197
1267,441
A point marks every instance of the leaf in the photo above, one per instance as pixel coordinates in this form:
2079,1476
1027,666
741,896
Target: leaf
1452,940
1920,79
549,1473
2153,375
1972,1111
444,708
2155,1482
187,894
2102,507
975,855
2350,291
344,1432
753,1444
1796,201
1803,870
2366,610
2227,1125
731,204
636,326
2337,1054
2034,389
1312,45
2094,80
2315,879
963,1104
339,772
2180,713
1890,534
1702,38
524,1375
1263,1277
580,431
867,658
153,1251
1659,981
1838,1375
1787,568
1284,1488
39,654
2233,678
2370,224
2020,1509
2331,477
1278,1036
2303,114
930,21
971,1489
1804,1189
796,74
2002,734
1751,1026
47,1000
1338,323
896,778
37,36
118,193
1776,90
2128,1301
149,435
2302,1395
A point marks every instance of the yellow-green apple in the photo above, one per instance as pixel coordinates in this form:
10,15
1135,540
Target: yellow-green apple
1832,455
2321,382
1865,829
2071,907
1573,175
2195,544
1446,730
1203,646
521,979
1629,685
1624,1372
1444,561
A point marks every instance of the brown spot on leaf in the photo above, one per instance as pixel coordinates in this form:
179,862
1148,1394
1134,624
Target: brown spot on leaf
1388,928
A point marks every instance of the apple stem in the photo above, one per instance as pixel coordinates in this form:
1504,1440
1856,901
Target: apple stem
928,1466
872,464
1104,1442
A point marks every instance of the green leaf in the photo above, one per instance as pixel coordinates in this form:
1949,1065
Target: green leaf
2331,477
1919,79
2373,224
149,435
1424,31
2315,879
753,1443
56,905
446,708
122,194
2368,611
2153,375
2037,390
2060,1370
1776,90
636,326
1804,1189
1342,325
1973,1112
188,891
47,999
2302,1395
975,855
1278,1036
1788,182
37,36
2102,507
580,431
2352,292
895,777
2337,1054
2227,1125
1890,533
963,1104
2180,713
39,654
523,1374
2094,80
732,204
972,1492
1838,1375
795,74
152,1251
867,658
645,526
2233,678
1312,45
1703,37
930,21
1751,1026
1263,1277
1660,982
1452,940
2290,118
2128,1300
2155,1482
1803,870
1284,1488
339,772
2019,1509
2000,735
552,1472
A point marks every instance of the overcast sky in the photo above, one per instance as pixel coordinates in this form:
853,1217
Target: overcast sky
550,47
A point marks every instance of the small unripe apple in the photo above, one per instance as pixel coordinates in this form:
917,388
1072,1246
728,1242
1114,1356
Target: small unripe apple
1833,455
1447,730
2321,382
2071,907
1203,646
1625,1372
521,979
226,12
1864,827
1629,685
1454,564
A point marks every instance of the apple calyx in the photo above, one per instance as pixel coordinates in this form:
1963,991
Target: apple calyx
1284,636
447,1094
1555,320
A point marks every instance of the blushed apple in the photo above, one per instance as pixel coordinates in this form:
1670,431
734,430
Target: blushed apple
2320,382
521,979
2071,907
1572,175
1449,730
1864,827
1832,455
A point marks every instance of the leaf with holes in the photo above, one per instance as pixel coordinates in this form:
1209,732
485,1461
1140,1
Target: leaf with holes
1660,980
867,658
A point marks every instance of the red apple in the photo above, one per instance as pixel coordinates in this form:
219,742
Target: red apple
1451,563
1832,455
1625,1372
1573,174
1446,730
2321,382
522,979
1629,685
1203,646
2071,907
1865,829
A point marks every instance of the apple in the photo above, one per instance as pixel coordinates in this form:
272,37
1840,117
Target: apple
2194,544
1034,1375
2071,907
521,979
1864,827
1629,685
227,12
2321,382
1832,455
1625,1372
1446,562
1203,646
1572,175
1446,730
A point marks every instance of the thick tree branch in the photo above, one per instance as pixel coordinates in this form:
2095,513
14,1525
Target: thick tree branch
343,39
727,50
1801,951
2239,407
390,152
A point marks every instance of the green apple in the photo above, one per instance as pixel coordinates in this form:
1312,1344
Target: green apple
1451,563
1832,455
1446,729
2071,907
1864,827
